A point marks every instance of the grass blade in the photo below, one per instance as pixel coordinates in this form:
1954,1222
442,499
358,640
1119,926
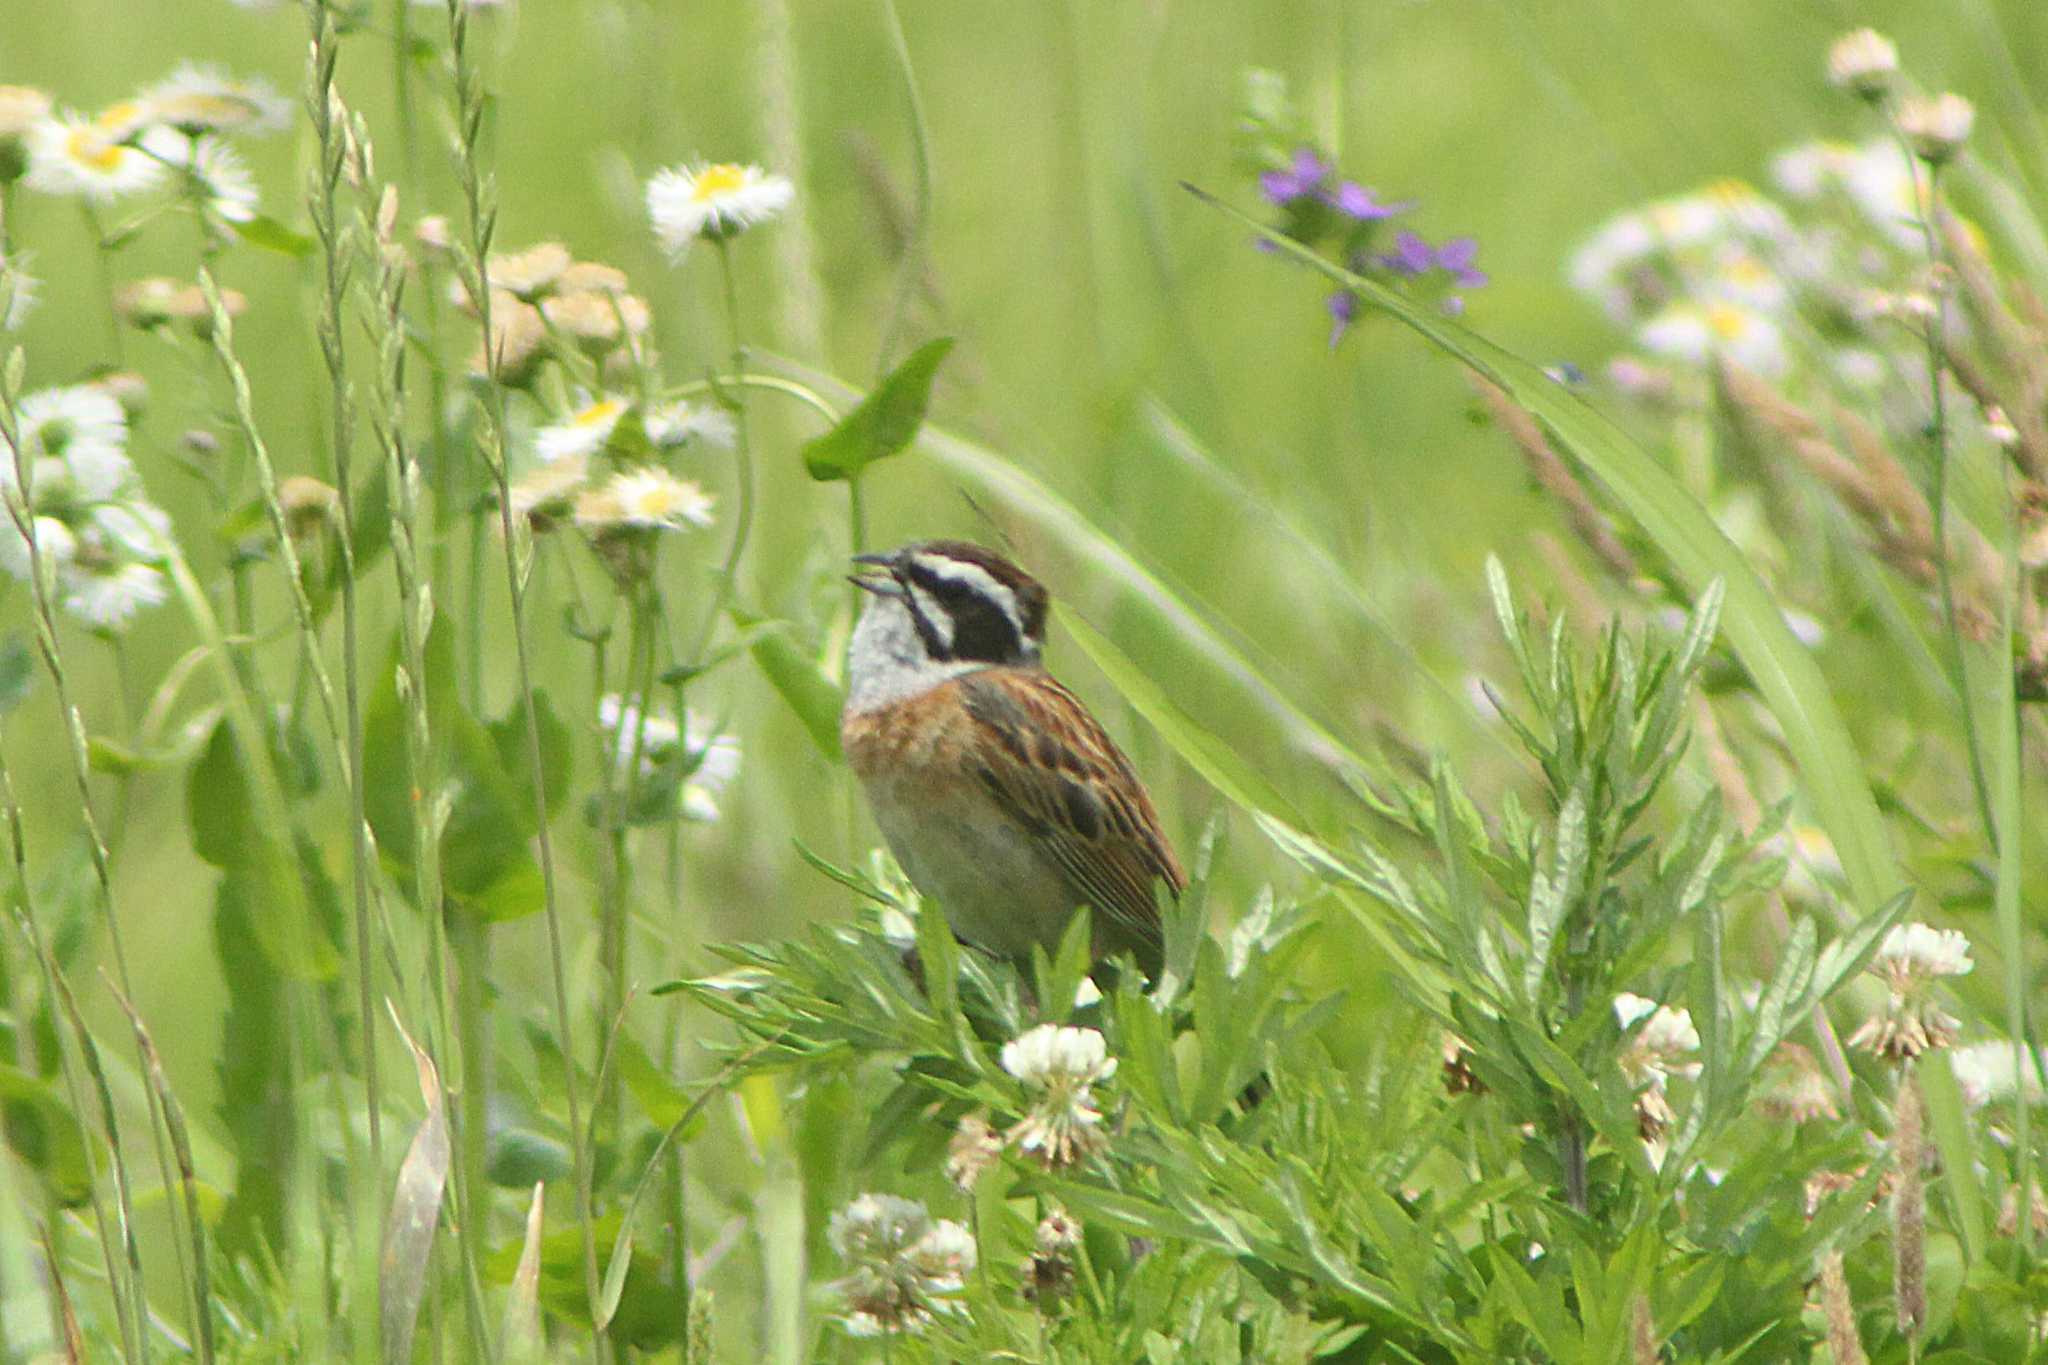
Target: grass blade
415,1209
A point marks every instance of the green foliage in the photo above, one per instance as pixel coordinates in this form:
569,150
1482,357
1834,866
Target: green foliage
884,423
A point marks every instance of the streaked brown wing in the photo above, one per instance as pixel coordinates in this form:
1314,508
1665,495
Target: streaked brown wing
1064,780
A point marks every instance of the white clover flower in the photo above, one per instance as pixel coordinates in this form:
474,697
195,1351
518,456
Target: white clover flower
583,433
1909,961
679,423
974,1148
713,759
717,200
106,601
1600,268
1059,1066
1863,62
1937,126
651,498
70,154
1992,1071
904,1266
198,99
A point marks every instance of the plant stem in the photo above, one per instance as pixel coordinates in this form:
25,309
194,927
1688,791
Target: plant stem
743,467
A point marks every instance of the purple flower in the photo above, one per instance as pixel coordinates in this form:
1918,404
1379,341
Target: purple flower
1355,201
1413,256
1343,309
1304,177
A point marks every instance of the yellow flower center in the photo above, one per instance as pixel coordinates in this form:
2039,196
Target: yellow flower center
713,181
1727,323
93,152
597,414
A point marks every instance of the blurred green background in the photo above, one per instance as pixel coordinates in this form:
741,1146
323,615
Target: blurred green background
1095,302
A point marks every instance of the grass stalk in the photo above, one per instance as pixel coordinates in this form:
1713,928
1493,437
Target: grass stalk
480,221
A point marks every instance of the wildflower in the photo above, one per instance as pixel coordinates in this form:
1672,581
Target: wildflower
1303,178
544,496
1794,1088
107,600
220,179
585,432
716,201
1413,256
205,99
435,236
1058,1067
1911,958
652,499
1459,1077
597,321
1655,1054
591,277
1047,1274
517,332
1695,332
69,154
680,423
528,274
710,762
308,504
973,1149
1359,204
21,108
1999,428
1343,312
904,1266
81,424
54,543
1937,126
1991,1071
1863,62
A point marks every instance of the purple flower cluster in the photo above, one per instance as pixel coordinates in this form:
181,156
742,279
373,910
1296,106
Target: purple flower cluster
1319,205
1307,177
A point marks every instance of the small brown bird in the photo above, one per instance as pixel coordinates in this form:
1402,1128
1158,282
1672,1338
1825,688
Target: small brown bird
998,793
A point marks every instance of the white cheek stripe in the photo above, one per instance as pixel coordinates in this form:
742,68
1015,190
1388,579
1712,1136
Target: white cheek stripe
979,579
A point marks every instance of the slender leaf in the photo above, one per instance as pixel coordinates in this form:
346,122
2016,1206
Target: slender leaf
415,1209
885,422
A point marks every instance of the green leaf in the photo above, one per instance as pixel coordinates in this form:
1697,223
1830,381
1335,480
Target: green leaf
1781,668
797,678
266,232
41,1130
886,421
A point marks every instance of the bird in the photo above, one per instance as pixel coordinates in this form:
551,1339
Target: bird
1001,796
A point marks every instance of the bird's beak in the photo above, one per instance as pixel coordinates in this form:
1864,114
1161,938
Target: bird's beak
876,574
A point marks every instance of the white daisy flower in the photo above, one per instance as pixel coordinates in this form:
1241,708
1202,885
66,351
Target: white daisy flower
545,495
1936,125
223,177
1693,332
1810,169
1993,1071
651,498
135,529
1885,184
1600,268
717,200
83,427
1059,1066
70,154
718,763
21,108
1863,62
196,99
584,432
904,1265
107,601
528,273
53,540
679,423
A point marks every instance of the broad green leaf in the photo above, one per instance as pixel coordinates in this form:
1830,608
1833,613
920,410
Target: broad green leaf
884,423
1784,673
266,232
797,678
41,1129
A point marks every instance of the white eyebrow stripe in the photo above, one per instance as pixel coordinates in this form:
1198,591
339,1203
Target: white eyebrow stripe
981,581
